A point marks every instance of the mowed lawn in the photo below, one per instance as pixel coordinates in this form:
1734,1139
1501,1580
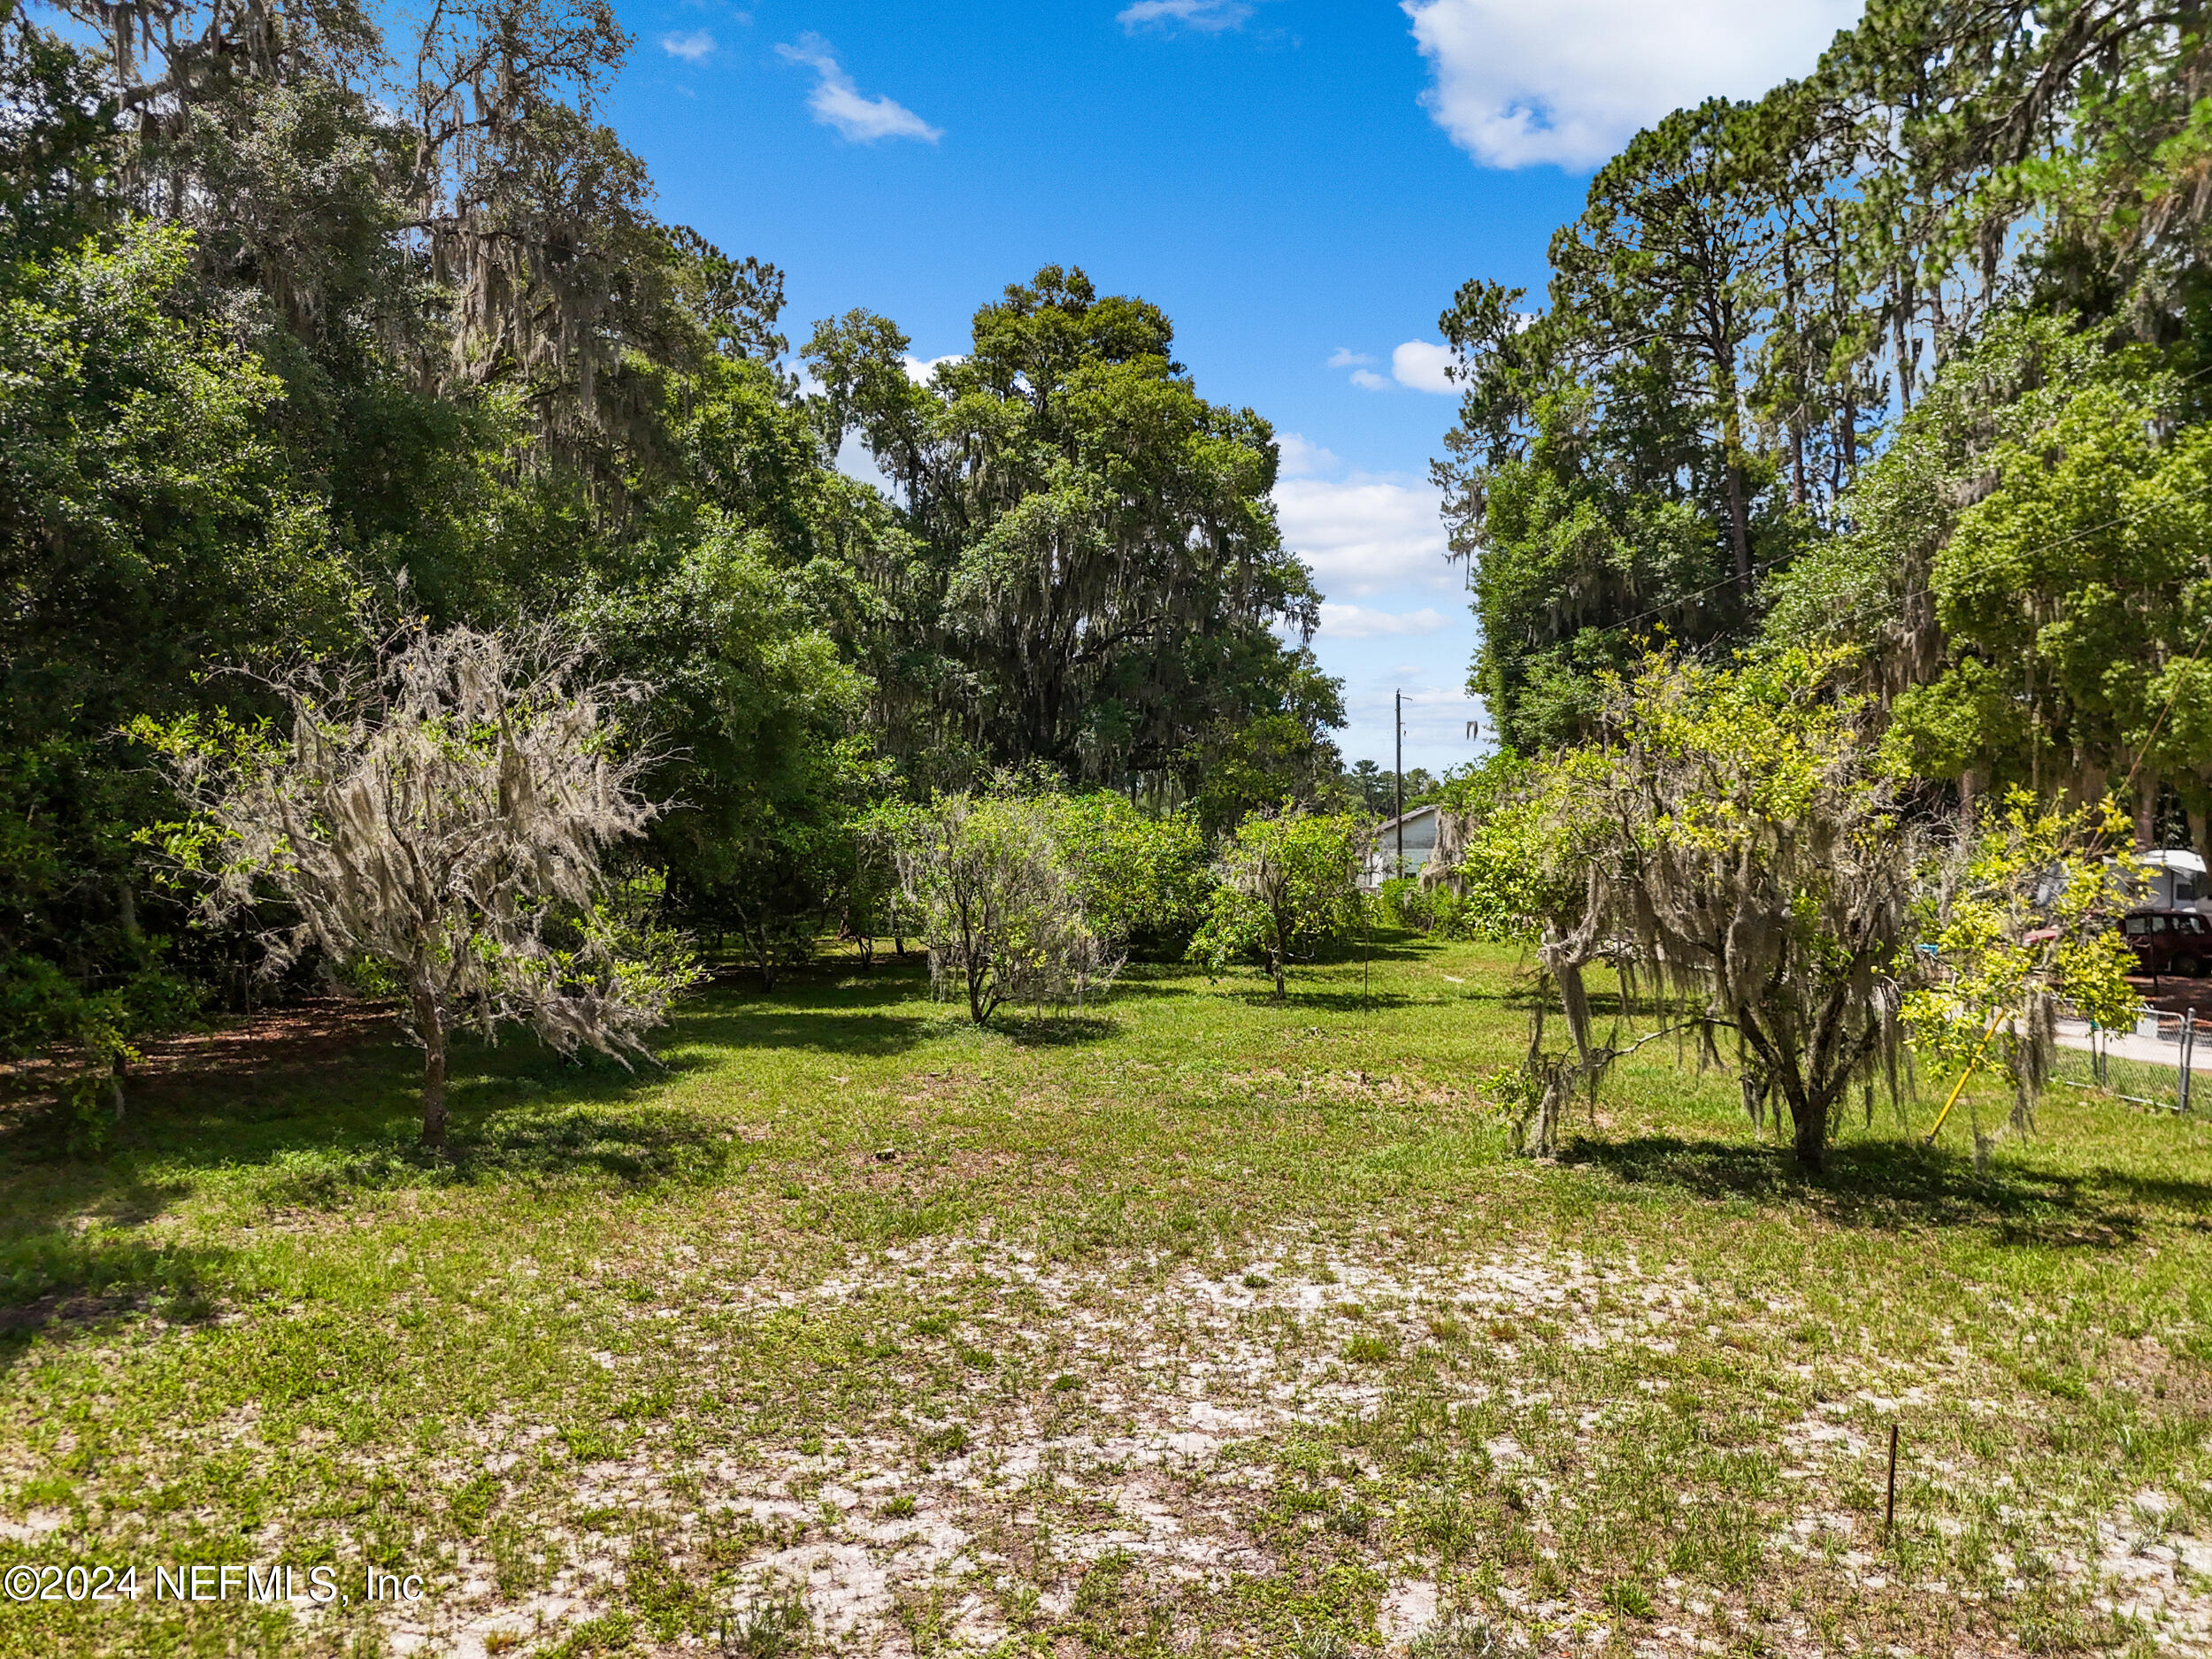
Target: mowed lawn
1194,1324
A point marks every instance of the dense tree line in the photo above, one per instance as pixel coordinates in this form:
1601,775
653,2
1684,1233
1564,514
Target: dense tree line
1838,529
1908,357
313,324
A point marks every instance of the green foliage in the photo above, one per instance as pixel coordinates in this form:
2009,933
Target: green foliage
1288,888
1989,226
1095,555
2021,917
1401,902
1278,754
147,535
2074,598
1143,881
1732,833
308,341
754,708
1493,852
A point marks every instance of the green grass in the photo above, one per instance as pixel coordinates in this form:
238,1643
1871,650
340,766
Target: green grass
1193,1319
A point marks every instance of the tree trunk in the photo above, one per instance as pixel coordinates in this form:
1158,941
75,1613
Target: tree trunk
1812,1123
2146,811
1739,530
431,1028
1276,963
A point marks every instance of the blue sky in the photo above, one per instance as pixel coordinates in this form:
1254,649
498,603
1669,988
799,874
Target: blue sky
1301,185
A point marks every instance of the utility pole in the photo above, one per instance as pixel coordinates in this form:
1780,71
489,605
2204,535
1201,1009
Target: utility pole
1398,783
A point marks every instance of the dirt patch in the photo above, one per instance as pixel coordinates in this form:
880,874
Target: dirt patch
59,1309
299,1036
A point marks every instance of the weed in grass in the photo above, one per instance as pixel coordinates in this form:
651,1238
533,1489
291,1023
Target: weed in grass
1460,1638
949,1442
773,1624
608,1633
1629,1599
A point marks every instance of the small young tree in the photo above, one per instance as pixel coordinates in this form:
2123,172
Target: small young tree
998,905
1288,884
440,816
1734,843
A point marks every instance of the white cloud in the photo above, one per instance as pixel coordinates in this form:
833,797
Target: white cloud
693,47
1423,366
855,461
837,102
1345,358
1302,458
1418,365
1208,17
1359,622
1366,534
919,369
1568,82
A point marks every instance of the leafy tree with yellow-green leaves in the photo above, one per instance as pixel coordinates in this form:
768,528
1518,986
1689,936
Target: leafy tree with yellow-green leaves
2018,915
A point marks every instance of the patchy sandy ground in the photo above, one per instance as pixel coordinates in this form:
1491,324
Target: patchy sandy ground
1151,1463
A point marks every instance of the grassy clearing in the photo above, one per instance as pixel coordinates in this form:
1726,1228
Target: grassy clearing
1196,1324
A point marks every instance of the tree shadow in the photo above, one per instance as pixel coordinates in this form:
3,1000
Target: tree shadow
1406,947
1332,1002
840,985
1893,1184
1054,1031
288,1124
772,1025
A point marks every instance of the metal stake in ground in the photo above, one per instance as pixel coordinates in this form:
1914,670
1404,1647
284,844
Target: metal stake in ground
1889,1510
2187,1064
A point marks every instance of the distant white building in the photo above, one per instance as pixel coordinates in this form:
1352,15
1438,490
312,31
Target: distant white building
1420,847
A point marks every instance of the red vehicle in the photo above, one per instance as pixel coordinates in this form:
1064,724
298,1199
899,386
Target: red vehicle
2168,942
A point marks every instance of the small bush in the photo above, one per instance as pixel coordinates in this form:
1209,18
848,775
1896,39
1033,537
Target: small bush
1288,889
1001,910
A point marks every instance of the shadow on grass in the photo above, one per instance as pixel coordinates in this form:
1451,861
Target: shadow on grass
775,1022
1053,1031
75,1246
1901,1183
828,983
1332,1001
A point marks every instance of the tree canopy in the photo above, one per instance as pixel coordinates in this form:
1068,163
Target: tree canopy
1850,360
321,315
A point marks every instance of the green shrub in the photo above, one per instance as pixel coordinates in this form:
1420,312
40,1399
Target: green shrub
1144,881
1401,902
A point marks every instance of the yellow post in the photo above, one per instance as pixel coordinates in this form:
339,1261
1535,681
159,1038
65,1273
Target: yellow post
1961,1087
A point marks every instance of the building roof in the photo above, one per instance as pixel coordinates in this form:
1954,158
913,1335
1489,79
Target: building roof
1411,813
